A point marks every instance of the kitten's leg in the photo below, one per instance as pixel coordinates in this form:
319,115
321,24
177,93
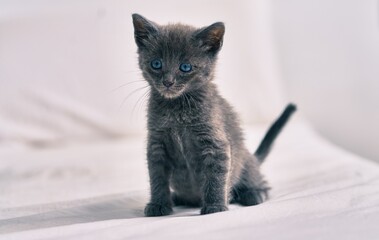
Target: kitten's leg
216,169
252,189
159,171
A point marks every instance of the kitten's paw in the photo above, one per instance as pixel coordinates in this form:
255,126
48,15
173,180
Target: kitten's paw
213,209
155,210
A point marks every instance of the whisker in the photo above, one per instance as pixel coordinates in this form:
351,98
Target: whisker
193,100
144,101
182,98
138,101
130,94
125,84
188,102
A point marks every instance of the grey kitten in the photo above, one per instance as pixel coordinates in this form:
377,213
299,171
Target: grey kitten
195,150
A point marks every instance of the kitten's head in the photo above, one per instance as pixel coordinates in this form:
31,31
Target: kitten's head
176,58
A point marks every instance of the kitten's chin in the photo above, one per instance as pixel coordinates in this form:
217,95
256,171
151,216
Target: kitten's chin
170,94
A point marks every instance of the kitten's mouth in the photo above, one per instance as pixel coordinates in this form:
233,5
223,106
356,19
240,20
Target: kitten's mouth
171,93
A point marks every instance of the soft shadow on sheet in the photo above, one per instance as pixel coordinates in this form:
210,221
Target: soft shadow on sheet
111,207
85,210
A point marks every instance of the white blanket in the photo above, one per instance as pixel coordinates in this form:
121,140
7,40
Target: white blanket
98,191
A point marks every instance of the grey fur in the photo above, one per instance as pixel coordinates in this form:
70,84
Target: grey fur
195,151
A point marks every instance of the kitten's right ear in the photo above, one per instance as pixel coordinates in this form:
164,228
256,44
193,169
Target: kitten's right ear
143,29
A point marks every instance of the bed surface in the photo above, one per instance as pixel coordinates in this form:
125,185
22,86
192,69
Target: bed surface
98,190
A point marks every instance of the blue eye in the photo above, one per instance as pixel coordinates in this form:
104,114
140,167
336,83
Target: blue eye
156,64
185,67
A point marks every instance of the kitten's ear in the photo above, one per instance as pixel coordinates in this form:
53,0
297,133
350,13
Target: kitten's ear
211,37
143,29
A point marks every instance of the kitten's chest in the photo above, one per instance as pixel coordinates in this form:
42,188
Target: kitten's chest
181,145
176,113
170,118
179,121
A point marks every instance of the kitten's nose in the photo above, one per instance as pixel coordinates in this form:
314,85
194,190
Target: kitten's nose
168,83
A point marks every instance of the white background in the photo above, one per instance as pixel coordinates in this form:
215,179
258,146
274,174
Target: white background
65,57
329,59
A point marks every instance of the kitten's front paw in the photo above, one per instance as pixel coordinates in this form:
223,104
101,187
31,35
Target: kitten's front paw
155,210
213,209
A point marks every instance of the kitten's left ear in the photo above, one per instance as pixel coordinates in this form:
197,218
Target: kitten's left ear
211,37
143,29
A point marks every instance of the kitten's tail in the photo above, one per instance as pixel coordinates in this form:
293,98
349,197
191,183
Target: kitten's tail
265,145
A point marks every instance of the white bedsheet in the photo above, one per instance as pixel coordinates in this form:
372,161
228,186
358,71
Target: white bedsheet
98,191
